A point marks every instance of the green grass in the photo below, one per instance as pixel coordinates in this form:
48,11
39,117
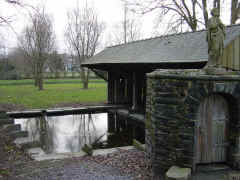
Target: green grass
30,97
46,81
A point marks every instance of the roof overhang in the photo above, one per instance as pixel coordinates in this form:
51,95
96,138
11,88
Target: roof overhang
146,67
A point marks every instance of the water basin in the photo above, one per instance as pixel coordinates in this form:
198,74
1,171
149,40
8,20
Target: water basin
69,133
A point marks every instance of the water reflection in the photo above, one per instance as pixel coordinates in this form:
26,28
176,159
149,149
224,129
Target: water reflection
70,133
66,133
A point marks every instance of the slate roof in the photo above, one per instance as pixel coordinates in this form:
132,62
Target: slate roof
186,47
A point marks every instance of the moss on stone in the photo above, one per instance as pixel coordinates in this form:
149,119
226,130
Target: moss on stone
138,145
148,125
87,149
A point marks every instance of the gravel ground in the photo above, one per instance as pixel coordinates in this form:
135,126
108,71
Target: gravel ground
83,171
122,165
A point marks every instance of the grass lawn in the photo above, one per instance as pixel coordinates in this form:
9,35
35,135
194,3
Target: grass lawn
31,98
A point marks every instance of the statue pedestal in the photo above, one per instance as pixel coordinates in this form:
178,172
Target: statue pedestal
218,71
215,71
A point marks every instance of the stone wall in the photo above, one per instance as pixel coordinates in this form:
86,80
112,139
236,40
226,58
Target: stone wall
173,99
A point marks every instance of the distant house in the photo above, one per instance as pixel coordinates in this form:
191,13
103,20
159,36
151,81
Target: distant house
128,64
70,63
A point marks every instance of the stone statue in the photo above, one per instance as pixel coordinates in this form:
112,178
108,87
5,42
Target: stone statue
215,38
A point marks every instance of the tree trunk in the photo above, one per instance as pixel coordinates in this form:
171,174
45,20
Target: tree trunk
85,77
205,13
40,85
57,74
40,75
85,85
35,75
38,81
234,11
35,81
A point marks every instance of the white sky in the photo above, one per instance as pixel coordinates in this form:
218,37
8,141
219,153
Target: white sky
109,11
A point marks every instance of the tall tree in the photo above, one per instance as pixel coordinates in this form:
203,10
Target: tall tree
6,19
189,13
131,26
19,61
82,34
55,64
235,11
37,42
177,11
128,30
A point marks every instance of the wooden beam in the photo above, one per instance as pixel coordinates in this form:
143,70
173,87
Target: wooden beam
144,92
134,97
110,88
111,122
138,91
130,89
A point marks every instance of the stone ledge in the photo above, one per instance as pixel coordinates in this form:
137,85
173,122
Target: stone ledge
39,155
193,75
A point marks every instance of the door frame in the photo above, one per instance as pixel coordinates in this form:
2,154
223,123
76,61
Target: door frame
197,150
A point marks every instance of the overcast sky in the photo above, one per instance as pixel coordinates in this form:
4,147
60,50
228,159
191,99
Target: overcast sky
109,11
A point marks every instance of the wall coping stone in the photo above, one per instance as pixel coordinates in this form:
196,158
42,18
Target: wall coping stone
194,74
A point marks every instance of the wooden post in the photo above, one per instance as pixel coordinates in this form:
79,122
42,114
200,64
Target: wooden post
111,122
117,123
130,90
134,95
121,90
110,88
137,90
144,96
115,85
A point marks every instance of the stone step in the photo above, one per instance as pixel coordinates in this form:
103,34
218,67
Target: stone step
6,121
11,127
36,152
26,143
178,173
18,134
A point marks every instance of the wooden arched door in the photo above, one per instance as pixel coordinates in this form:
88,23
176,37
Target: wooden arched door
211,130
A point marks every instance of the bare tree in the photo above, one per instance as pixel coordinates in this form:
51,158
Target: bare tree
6,19
55,63
128,30
37,42
20,5
177,11
82,34
21,64
190,14
131,26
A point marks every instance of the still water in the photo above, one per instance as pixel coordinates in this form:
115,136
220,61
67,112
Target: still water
70,133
